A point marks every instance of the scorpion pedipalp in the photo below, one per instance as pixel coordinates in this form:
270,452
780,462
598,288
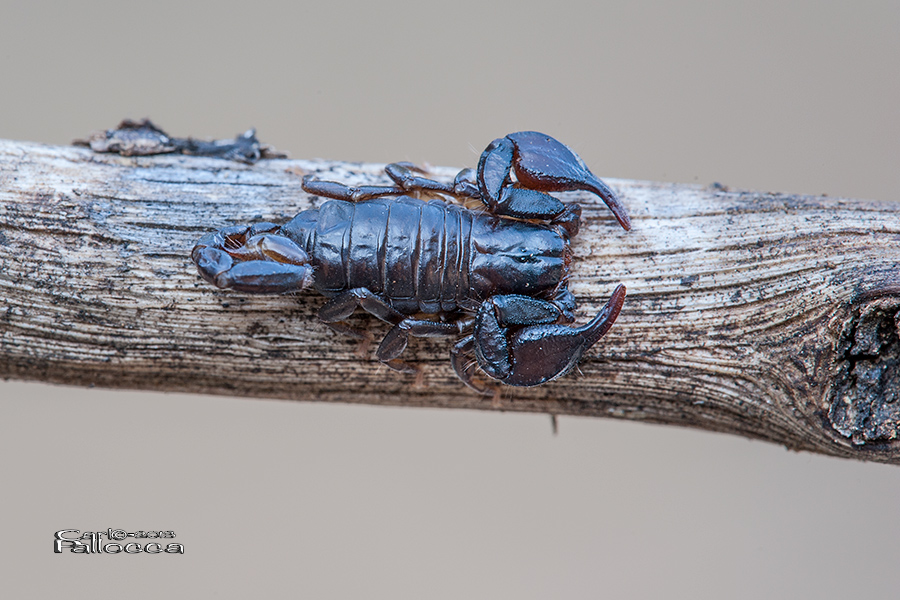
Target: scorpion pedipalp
541,164
519,343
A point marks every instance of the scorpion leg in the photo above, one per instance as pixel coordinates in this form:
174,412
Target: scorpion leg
342,306
464,366
541,164
340,191
252,259
464,186
394,343
397,339
405,175
540,350
407,178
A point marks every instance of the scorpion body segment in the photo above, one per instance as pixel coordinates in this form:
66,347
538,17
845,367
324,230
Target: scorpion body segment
426,256
432,268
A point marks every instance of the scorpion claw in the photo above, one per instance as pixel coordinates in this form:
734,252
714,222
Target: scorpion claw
493,169
529,204
535,354
541,164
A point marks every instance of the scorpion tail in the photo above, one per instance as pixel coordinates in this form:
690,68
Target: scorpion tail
253,259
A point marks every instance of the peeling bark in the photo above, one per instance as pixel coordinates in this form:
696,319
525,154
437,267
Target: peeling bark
765,315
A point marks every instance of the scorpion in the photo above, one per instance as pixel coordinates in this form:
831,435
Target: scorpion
496,275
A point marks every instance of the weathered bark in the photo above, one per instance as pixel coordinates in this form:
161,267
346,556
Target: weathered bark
765,315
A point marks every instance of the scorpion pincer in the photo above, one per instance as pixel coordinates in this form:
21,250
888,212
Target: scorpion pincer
497,275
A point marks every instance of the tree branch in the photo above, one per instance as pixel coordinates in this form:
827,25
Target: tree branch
765,315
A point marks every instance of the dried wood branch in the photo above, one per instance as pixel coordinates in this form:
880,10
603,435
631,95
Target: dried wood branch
765,315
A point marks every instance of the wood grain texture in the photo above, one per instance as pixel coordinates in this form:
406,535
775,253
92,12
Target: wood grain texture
765,315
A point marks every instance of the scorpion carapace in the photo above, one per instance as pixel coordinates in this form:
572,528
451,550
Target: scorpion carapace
431,268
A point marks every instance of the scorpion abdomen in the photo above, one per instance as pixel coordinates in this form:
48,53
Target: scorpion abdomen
413,253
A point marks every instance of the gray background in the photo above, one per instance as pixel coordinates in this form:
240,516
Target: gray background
271,498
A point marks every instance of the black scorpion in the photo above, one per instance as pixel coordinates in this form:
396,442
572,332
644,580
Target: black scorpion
497,275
